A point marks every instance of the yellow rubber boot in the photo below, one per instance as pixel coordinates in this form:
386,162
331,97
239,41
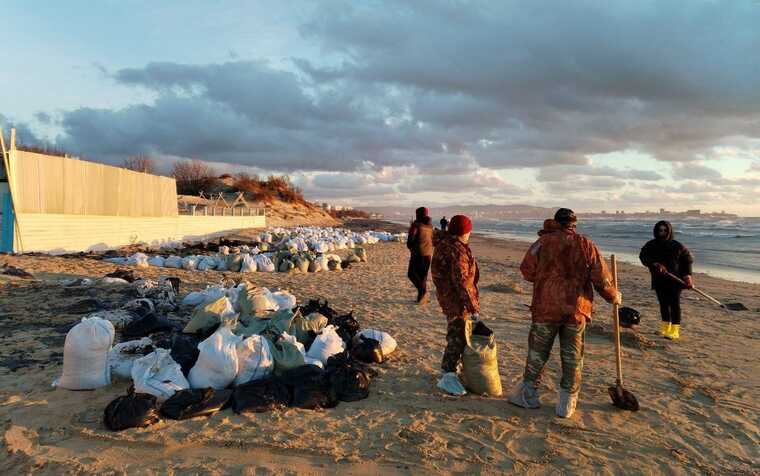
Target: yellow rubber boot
674,332
664,328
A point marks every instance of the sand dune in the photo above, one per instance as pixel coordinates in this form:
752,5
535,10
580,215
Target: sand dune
699,396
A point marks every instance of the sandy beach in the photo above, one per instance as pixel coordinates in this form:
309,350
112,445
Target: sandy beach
699,396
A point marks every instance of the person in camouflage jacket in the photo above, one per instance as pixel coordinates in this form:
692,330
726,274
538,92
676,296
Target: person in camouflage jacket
455,274
565,268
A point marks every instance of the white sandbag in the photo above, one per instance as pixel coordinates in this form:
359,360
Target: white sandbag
157,261
173,262
387,342
194,298
158,374
255,359
122,356
85,355
217,364
309,361
327,344
138,259
264,264
110,280
292,339
284,300
190,263
224,250
322,262
207,263
249,264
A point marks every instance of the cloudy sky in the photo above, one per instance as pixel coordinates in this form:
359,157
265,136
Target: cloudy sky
590,104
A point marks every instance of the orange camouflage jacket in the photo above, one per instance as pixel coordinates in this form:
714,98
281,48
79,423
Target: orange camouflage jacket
455,274
565,268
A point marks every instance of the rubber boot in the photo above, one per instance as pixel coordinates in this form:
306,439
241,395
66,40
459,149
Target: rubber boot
566,403
674,333
525,395
664,328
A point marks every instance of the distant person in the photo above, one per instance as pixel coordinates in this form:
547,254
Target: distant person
565,268
664,255
444,223
420,244
456,275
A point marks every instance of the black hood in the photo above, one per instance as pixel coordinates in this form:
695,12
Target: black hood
661,223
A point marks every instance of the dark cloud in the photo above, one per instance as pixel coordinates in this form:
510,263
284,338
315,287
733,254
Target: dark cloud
444,90
565,173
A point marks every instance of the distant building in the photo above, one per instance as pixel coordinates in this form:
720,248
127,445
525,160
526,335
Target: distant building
693,212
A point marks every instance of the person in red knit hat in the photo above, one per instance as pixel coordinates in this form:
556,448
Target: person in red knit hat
455,274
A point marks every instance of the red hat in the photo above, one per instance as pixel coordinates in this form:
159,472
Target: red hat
460,225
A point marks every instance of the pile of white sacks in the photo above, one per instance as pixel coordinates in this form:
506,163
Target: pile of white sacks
304,250
232,355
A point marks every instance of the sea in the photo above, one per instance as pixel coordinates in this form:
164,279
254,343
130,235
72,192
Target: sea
725,248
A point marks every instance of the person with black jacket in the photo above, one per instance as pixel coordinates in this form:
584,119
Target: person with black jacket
663,255
444,223
420,244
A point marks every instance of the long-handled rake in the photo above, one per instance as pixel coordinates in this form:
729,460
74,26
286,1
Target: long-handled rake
621,397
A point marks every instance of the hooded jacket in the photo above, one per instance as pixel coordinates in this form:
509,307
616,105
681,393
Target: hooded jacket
670,253
456,275
565,268
420,237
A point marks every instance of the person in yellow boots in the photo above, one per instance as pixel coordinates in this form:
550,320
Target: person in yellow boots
664,257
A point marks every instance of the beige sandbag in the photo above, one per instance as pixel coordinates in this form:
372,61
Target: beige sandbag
301,326
207,315
254,301
480,369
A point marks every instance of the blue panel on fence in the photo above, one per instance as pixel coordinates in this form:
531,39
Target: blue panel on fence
6,226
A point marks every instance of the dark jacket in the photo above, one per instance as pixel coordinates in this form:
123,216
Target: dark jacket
670,253
420,238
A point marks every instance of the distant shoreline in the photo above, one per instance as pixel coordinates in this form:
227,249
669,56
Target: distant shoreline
726,273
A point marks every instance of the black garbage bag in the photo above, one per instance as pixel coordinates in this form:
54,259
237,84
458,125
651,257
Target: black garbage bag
310,387
126,274
174,281
134,410
147,325
345,326
196,402
184,349
367,350
258,396
348,378
142,307
629,317
481,329
314,305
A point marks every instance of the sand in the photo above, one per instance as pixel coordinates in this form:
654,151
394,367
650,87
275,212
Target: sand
699,396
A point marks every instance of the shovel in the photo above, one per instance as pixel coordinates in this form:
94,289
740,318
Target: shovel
621,397
731,306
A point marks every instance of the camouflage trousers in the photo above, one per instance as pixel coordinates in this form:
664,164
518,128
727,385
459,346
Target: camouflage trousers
455,342
571,342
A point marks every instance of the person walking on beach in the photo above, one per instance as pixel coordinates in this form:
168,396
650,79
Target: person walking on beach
664,255
444,223
420,244
455,274
565,268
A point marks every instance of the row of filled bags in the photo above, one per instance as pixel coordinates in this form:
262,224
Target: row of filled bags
247,262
